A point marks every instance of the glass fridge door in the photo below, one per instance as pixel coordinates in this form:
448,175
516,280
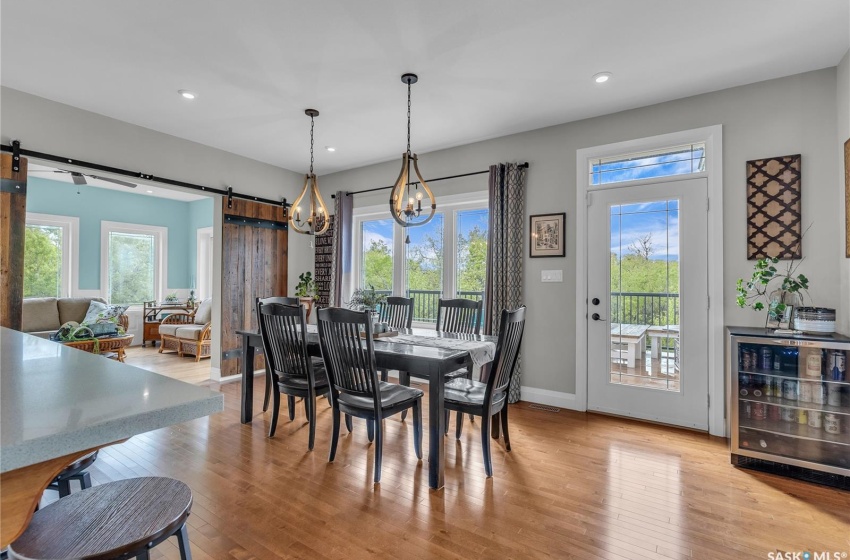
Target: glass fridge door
792,401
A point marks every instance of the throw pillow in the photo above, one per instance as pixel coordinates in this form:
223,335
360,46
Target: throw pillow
204,313
102,313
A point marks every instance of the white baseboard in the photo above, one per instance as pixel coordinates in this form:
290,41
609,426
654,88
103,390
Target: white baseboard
233,378
550,398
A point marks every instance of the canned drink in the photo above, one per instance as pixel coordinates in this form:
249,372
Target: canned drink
759,411
777,360
819,393
788,414
789,389
777,387
814,363
766,358
746,410
806,391
768,388
745,360
774,413
815,419
832,423
837,365
833,397
757,386
802,416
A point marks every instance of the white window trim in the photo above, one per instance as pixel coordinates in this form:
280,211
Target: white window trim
70,272
449,206
713,138
160,234
203,257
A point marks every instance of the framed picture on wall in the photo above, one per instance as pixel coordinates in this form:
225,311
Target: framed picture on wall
548,235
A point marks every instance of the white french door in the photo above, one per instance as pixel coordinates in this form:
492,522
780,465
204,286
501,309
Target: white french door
647,319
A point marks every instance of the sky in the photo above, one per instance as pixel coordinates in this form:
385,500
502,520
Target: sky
382,230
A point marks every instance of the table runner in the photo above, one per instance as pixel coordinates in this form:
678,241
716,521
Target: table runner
481,351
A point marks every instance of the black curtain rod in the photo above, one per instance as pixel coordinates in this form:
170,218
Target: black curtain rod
521,166
15,148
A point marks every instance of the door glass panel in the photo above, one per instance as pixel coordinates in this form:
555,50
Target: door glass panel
644,298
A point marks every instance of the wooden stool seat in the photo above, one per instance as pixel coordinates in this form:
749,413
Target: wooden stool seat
74,471
116,520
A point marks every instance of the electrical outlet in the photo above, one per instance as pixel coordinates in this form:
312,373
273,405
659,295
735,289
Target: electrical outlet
551,275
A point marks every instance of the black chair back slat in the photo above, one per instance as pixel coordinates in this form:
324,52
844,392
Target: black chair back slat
511,329
397,312
349,359
462,316
282,328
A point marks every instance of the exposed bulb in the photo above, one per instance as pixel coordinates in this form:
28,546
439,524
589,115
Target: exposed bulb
419,195
410,201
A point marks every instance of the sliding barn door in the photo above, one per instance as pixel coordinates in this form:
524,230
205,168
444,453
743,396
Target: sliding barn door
254,262
13,217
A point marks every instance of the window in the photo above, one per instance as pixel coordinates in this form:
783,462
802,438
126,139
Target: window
446,258
133,262
678,160
49,256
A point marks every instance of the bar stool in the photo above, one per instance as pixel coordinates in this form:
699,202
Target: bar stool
113,521
75,471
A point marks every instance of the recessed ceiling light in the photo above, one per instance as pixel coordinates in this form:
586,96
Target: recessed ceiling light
330,148
149,192
602,77
187,94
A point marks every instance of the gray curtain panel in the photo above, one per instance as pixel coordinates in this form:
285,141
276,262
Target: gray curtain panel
341,251
505,251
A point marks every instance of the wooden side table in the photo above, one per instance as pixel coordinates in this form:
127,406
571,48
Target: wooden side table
115,344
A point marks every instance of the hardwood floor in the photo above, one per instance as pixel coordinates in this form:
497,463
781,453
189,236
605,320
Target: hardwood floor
169,364
575,486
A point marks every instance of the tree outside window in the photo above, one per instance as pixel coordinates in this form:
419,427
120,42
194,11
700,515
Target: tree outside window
43,261
132,268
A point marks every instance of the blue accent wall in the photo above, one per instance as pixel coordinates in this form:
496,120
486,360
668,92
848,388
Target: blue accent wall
94,205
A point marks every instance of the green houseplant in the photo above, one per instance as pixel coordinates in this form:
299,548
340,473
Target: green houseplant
306,287
762,289
364,299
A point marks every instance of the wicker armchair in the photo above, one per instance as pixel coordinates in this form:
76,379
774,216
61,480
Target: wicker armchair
180,333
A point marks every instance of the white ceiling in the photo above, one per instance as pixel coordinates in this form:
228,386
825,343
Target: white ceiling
56,174
487,67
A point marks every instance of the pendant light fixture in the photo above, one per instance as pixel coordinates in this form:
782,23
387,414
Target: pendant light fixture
406,197
312,220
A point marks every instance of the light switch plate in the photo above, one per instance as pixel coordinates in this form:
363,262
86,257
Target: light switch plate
551,275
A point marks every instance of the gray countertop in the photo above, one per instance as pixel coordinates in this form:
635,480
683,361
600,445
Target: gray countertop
56,400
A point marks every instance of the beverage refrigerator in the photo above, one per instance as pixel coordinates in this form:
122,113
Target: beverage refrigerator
789,404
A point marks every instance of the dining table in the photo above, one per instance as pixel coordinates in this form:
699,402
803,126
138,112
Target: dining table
58,404
423,352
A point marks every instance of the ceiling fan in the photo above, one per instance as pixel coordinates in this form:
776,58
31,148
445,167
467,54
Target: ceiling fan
80,178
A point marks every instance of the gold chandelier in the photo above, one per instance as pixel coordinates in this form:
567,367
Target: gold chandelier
406,197
315,221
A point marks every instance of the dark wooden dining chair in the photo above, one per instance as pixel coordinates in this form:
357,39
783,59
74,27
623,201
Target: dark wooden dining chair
491,398
290,401
117,520
397,312
283,329
355,387
459,316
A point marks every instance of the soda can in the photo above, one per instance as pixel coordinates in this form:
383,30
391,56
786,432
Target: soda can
766,358
832,423
814,363
806,391
833,397
777,360
837,365
819,393
815,419
788,414
777,387
745,360
768,388
774,413
759,411
802,416
746,410
789,390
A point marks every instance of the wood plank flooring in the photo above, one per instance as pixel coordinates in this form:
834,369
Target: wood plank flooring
169,364
575,486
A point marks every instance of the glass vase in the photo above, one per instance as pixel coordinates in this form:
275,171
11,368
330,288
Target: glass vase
780,308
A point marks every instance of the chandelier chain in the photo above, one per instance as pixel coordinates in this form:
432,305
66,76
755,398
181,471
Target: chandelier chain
311,144
408,118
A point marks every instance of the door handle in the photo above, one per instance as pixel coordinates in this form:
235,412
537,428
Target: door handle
596,317
595,301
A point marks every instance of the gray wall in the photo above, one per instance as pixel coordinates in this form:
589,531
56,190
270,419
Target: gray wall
790,115
47,126
843,103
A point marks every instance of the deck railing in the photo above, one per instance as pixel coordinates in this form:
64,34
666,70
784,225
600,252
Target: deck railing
645,308
425,302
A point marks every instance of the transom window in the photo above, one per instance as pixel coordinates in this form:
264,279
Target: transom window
665,162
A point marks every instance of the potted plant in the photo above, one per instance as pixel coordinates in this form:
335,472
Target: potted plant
305,290
761,289
171,298
367,299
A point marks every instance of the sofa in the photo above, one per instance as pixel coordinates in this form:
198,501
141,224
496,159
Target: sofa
188,333
43,316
